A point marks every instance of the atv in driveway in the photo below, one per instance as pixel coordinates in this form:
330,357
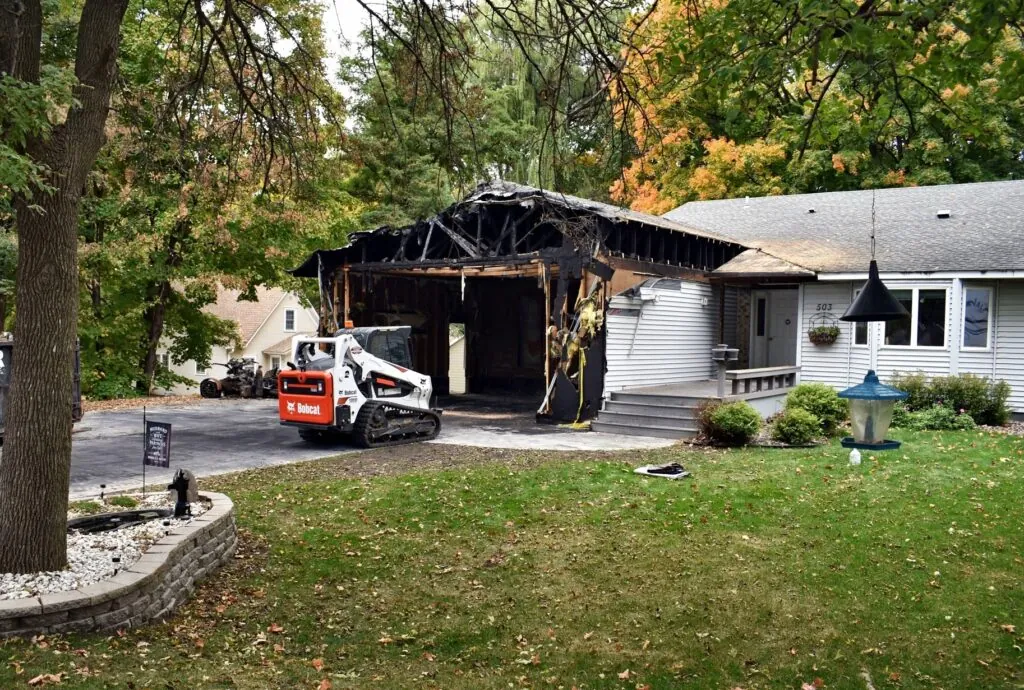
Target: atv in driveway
245,379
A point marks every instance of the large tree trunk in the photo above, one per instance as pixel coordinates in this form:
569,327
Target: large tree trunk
154,319
34,473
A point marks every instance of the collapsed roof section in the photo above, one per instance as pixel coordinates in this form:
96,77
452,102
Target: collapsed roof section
506,223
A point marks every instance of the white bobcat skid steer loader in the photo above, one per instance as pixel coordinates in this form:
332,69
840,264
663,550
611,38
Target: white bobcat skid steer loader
337,387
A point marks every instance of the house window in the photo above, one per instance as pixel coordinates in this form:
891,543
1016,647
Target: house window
860,333
165,360
926,324
289,319
860,328
200,369
977,318
275,362
762,312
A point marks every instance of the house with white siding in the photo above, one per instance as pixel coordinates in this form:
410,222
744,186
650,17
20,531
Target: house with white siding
952,254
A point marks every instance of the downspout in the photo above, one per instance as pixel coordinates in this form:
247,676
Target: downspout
956,327
995,327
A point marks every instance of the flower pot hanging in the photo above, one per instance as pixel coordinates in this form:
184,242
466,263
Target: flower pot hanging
824,329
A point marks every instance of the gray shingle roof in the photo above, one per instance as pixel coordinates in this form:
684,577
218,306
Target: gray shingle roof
984,231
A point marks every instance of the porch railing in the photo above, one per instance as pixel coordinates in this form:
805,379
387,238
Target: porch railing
752,383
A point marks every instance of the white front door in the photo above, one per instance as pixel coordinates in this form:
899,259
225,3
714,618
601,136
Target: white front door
773,328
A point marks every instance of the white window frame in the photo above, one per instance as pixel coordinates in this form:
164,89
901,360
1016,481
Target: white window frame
915,291
165,360
275,362
201,371
963,317
867,335
294,315
853,331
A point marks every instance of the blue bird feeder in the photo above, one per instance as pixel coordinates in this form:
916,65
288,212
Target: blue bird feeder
871,406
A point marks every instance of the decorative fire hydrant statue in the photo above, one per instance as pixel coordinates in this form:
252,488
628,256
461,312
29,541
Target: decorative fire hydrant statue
185,485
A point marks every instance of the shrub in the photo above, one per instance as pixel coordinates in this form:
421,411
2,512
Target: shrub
983,399
122,501
900,415
919,393
796,426
733,424
939,418
822,401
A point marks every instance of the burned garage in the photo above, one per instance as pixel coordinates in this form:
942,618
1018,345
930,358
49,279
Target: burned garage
528,273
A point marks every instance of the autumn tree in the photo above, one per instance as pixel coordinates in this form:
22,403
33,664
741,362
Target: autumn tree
53,114
761,97
450,93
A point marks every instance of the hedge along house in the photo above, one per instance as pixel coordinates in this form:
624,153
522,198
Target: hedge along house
529,273
952,254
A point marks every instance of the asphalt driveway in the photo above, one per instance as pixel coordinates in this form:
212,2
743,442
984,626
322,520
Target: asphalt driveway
209,437
217,436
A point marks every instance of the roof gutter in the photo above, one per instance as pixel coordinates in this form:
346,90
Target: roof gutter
924,275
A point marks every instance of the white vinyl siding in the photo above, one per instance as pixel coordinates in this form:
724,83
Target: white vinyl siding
844,364
664,341
1009,339
841,364
457,366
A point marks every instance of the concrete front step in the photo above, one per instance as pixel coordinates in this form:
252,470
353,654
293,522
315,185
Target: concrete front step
653,399
633,430
642,420
676,411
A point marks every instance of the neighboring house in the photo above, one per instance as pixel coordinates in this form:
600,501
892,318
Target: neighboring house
265,331
457,364
952,254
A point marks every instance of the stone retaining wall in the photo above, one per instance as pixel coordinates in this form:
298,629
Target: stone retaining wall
149,590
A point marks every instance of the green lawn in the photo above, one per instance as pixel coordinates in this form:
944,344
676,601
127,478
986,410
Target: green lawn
769,568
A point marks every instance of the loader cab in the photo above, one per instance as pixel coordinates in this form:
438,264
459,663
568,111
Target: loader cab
388,343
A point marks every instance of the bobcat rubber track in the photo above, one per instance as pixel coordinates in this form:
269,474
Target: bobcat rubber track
380,424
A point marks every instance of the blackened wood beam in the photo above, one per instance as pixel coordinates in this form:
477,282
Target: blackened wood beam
457,239
426,243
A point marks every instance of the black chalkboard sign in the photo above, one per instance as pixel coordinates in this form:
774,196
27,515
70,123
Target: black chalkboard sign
157,451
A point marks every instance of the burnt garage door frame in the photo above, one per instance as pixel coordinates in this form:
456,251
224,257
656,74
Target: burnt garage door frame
528,271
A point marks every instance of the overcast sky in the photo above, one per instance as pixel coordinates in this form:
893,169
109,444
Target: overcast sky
343,20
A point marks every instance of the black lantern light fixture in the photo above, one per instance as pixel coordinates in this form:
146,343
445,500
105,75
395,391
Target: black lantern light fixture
875,302
872,402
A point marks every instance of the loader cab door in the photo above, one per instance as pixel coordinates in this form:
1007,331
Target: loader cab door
391,346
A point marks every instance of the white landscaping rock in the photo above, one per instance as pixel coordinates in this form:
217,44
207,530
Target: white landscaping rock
91,556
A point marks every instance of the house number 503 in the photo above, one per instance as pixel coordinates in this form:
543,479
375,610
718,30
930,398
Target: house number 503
824,307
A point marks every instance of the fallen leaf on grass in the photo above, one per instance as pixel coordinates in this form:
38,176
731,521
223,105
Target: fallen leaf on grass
318,664
624,675
325,684
275,628
47,679
1006,627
